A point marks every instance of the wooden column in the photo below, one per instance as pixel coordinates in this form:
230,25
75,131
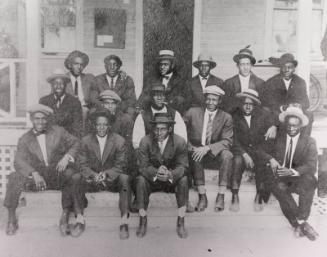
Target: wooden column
197,32
139,47
304,39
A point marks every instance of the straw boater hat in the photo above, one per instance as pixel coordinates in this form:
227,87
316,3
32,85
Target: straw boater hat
214,90
113,57
244,53
250,93
58,73
162,118
286,58
74,54
205,58
109,94
40,108
294,111
166,55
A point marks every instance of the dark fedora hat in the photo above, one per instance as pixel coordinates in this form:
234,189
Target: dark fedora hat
162,118
287,58
102,112
157,86
244,53
113,57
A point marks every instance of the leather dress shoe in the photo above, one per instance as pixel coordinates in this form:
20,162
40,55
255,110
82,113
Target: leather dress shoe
12,227
141,230
78,229
123,231
180,229
235,204
220,203
258,205
63,225
189,207
308,231
203,202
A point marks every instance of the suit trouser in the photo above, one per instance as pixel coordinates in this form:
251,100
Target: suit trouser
239,167
145,187
224,161
69,182
282,188
120,184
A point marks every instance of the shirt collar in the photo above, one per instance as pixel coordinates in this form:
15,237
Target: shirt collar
163,110
209,112
168,75
61,98
207,77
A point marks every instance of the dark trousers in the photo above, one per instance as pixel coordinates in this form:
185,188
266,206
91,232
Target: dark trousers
69,182
239,167
120,184
145,187
282,188
224,162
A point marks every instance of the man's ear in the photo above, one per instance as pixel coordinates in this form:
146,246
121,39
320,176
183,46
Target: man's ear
170,129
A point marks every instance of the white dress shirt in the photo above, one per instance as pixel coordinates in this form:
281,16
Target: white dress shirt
166,80
162,145
295,139
139,127
41,141
205,123
109,80
102,143
80,95
244,82
248,119
61,99
204,81
287,83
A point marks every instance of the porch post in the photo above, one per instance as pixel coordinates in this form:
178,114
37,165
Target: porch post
304,39
139,48
197,20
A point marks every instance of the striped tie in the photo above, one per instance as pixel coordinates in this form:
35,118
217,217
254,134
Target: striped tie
209,129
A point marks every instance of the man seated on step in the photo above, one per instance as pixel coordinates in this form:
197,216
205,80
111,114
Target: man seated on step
163,163
293,164
210,134
103,163
158,104
250,122
46,158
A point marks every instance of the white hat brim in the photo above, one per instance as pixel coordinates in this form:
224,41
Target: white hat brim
304,119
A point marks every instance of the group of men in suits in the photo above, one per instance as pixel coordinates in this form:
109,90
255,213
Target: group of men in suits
84,138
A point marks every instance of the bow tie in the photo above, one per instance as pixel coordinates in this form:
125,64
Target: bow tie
204,78
38,133
165,77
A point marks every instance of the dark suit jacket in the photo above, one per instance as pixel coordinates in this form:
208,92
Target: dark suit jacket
124,88
89,89
68,115
222,130
174,157
29,156
195,98
251,139
176,93
305,156
275,93
232,86
113,158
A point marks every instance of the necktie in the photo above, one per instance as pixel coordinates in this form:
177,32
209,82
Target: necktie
204,78
112,84
58,103
209,129
161,147
288,163
76,88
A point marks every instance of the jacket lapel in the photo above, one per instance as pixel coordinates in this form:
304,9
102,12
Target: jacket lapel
298,153
94,145
168,149
35,147
281,148
50,143
237,84
107,148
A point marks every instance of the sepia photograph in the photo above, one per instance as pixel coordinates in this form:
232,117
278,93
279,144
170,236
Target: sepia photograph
163,128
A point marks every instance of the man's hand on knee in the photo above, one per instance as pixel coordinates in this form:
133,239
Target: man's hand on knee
249,164
63,163
200,152
39,181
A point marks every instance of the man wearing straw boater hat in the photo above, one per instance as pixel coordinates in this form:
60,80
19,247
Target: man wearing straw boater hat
292,167
250,122
204,64
163,164
285,88
45,159
175,87
67,108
